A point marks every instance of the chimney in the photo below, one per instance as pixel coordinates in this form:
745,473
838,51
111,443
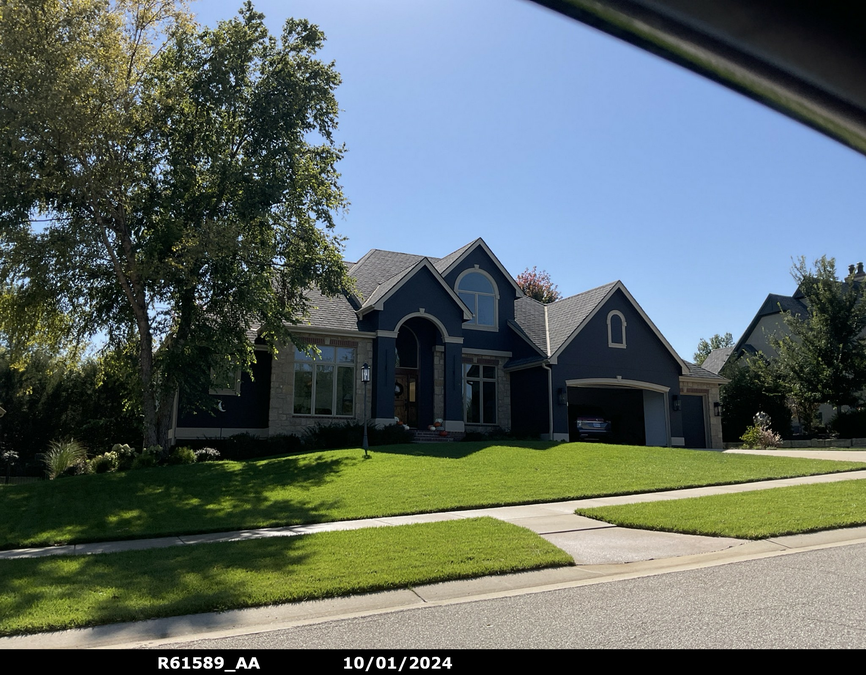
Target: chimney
860,275
850,270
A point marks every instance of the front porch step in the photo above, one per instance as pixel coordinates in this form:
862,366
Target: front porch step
426,436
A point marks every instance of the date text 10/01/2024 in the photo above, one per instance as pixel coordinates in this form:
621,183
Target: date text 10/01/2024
378,663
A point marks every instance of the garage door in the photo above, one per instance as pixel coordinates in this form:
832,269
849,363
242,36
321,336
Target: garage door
637,416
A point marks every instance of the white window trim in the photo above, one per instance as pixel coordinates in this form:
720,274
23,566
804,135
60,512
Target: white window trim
610,342
472,325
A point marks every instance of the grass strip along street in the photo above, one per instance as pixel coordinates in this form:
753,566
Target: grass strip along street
747,515
342,484
57,592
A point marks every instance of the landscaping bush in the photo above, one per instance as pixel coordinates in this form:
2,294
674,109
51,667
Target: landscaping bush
125,456
207,455
333,436
148,458
105,463
182,455
284,444
498,434
760,435
392,434
65,458
244,446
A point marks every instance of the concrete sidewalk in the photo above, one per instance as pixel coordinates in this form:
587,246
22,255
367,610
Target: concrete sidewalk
589,542
603,552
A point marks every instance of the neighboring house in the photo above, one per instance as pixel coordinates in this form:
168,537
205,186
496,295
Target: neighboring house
769,323
717,359
455,339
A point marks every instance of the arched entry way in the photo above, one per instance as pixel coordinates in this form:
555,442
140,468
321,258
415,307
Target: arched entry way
414,372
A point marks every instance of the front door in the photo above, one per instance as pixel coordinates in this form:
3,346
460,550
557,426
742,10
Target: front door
406,396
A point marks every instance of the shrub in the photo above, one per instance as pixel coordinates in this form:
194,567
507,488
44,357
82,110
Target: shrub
283,444
333,436
65,458
148,458
125,456
182,455
760,435
244,446
392,434
105,463
207,455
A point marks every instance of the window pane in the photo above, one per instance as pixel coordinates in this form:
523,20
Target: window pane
345,355
485,310
475,282
489,402
303,388
345,390
301,356
489,372
469,299
324,390
472,394
472,371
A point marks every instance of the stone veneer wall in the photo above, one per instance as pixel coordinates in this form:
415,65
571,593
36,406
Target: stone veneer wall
281,419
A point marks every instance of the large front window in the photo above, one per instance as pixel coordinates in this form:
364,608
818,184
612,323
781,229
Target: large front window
479,393
325,384
477,291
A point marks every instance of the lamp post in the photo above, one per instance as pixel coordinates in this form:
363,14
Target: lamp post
365,378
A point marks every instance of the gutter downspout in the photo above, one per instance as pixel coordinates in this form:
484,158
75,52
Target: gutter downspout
546,366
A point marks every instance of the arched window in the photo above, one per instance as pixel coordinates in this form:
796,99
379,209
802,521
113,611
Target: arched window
478,291
616,330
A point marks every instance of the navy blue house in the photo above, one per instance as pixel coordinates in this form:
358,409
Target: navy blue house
455,340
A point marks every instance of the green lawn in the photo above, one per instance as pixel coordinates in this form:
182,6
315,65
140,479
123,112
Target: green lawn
341,484
748,515
59,592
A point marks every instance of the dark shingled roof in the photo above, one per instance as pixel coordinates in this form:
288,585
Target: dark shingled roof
443,264
377,267
788,304
529,317
383,288
333,312
564,316
697,371
717,359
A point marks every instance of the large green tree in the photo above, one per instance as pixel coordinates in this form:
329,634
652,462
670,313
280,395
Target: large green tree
823,360
168,180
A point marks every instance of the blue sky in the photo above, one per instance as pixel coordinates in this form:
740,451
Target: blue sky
570,150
